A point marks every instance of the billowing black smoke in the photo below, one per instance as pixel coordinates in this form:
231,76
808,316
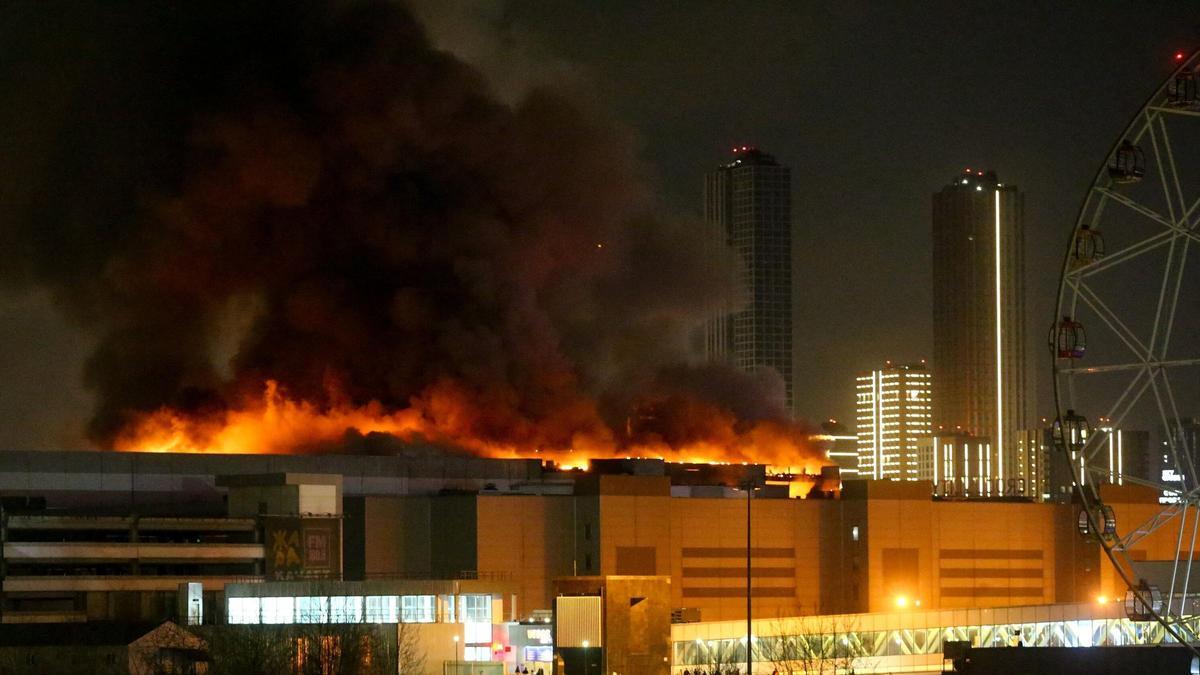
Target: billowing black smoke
308,192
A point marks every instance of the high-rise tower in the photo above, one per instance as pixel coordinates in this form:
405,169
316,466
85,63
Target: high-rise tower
748,204
893,417
979,309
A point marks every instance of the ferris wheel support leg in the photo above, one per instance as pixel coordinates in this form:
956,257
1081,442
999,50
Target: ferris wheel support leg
1190,563
1175,563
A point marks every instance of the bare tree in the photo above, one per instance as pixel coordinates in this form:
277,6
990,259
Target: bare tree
314,649
410,656
800,647
720,657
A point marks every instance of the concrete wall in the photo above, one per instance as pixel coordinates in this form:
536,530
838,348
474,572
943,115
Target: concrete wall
407,536
950,554
844,559
527,539
637,623
708,556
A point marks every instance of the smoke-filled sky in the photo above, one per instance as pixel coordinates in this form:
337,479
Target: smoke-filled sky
313,195
197,198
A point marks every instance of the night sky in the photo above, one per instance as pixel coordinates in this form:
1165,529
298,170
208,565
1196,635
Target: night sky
874,107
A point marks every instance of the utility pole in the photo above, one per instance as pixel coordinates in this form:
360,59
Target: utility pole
749,584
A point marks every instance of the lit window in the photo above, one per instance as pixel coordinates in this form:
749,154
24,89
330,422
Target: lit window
477,608
243,610
383,609
346,608
477,653
854,533
312,610
416,609
278,610
477,633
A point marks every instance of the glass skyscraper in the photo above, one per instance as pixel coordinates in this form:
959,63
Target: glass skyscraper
748,205
979,310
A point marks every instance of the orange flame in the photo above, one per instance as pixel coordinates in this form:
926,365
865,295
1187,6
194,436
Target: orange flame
446,415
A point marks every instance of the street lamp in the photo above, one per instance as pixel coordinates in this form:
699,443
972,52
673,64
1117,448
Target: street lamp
748,485
457,660
585,657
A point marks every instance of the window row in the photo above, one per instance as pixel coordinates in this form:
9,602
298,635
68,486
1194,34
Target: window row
360,609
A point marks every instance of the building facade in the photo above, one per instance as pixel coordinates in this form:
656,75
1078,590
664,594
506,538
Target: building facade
1117,457
840,446
457,548
1179,447
979,308
748,206
893,415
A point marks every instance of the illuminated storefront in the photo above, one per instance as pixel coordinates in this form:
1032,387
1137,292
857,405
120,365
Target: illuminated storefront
904,642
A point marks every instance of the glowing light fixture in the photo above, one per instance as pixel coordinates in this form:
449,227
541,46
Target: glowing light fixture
999,351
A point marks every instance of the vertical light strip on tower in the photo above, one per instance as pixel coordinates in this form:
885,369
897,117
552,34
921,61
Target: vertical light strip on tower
877,396
1112,464
999,354
1120,459
936,476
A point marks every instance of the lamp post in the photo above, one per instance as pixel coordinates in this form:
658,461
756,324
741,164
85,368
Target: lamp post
457,660
749,485
585,657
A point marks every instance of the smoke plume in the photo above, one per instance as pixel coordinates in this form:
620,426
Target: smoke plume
310,195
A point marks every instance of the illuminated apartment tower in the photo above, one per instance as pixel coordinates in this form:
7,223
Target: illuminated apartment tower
966,466
1117,455
748,206
893,416
978,311
1182,434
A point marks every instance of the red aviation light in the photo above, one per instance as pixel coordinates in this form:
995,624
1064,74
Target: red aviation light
1179,56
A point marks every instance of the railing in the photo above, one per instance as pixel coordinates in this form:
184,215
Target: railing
460,575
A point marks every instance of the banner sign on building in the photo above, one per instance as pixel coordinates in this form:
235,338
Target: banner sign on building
302,548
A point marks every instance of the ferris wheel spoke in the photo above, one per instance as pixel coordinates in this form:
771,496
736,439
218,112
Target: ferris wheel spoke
1156,328
1181,435
1191,557
1155,522
1174,111
1155,141
1135,206
1175,563
1170,316
1174,170
1187,215
1124,255
1116,367
1144,482
1112,320
1130,396
1191,218
1188,465
1163,320
1178,549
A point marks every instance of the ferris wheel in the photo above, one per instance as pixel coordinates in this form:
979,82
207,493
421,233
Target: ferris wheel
1125,346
